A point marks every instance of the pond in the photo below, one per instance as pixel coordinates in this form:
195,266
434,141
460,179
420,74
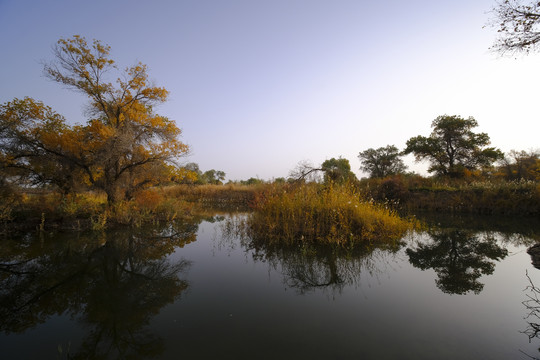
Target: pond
460,289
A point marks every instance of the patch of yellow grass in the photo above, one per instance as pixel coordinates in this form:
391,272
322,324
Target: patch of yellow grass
325,214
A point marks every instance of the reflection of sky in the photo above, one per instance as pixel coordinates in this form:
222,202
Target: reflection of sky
396,311
259,86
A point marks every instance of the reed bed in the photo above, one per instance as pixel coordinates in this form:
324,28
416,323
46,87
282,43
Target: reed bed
323,214
215,196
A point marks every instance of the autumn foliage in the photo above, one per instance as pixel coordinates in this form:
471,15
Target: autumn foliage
123,147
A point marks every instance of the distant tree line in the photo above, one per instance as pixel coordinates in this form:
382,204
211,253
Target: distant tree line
452,150
196,176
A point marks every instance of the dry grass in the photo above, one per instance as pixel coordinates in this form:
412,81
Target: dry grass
216,196
90,210
323,214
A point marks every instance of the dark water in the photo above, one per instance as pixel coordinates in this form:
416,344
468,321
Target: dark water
459,290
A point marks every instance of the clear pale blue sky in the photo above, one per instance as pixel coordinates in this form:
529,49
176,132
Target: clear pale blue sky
258,86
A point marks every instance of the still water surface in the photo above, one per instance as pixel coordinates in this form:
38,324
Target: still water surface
198,291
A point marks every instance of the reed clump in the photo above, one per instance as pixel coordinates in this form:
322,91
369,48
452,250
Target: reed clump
324,214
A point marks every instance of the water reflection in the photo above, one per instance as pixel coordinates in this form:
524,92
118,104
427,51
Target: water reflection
459,257
532,304
510,230
308,266
534,252
113,283
329,268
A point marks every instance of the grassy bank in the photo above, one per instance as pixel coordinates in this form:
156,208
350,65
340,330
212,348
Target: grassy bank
283,210
44,209
89,211
459,196
231,196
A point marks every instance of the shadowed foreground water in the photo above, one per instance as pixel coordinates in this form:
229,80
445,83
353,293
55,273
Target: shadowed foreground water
197,290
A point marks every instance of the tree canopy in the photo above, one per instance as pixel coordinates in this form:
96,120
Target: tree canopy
337,171
519,165
123,147
382,162
194,175
453,146
517,25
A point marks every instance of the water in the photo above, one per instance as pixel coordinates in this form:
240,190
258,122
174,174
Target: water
195,290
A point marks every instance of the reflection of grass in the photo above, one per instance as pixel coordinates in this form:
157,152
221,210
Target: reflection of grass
309,265
325,214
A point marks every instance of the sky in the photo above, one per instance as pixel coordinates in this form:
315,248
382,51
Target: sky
258,86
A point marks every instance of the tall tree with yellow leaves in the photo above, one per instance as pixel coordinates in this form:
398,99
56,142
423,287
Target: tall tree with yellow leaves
123,147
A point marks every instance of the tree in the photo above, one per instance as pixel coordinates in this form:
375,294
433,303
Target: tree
337,171
517,25
453,146
123,147
459,258
252,181
382,162
30,133
193,173
305,171
521,165
334,170
214,177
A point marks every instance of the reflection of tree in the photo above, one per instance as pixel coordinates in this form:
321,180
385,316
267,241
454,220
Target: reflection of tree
113,282
327,267
307,266
519,231
459,258
532,304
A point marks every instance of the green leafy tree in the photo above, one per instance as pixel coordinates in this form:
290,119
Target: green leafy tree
215,177
517,25
382,162
252,181
453,147
337,171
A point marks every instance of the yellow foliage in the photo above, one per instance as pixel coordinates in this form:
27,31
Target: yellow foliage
334,214
148,199
125,147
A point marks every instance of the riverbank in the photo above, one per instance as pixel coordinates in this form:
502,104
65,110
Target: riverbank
90,211
520,198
